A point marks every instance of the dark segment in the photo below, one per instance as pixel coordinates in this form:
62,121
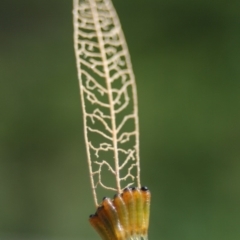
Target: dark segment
116,195
99,208
144,188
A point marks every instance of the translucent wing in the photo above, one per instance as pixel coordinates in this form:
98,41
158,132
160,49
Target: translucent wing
108,95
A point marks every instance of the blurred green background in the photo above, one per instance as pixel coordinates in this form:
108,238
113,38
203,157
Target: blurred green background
186,57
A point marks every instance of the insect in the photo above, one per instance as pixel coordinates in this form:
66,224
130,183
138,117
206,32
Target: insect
124,217
111,128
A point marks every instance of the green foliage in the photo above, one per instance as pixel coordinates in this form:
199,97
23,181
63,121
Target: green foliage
185,56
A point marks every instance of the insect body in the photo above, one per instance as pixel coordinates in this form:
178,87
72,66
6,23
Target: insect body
125,217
